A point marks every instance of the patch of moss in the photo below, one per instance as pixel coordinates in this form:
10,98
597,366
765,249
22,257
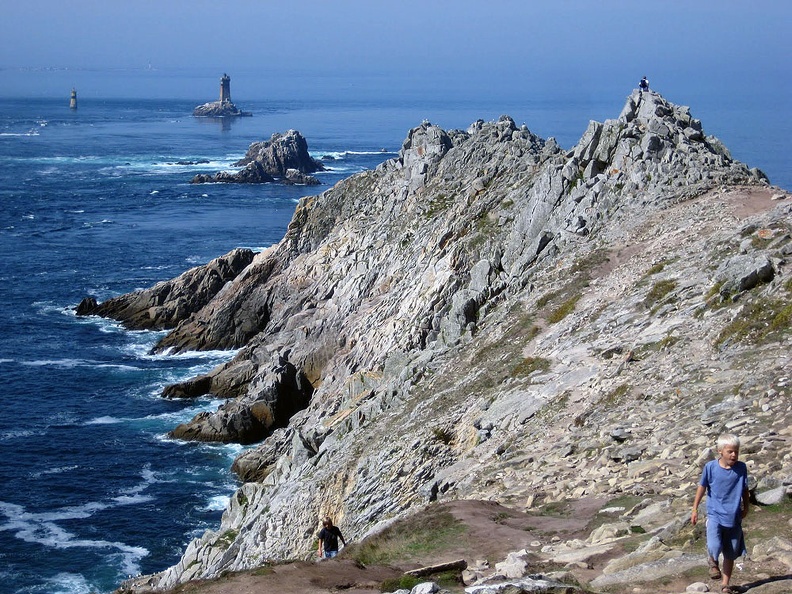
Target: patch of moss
616,394
658,267
660,345
446,579
438,204
563,310
759,322
659,291
227,538
529,365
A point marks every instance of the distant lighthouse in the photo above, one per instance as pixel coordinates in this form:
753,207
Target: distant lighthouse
73,100
225,89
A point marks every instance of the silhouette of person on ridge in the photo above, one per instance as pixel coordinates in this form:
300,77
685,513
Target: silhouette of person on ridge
644,84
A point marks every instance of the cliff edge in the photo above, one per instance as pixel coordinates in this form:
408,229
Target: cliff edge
489,316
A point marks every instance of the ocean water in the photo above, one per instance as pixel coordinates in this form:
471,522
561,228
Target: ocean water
97,201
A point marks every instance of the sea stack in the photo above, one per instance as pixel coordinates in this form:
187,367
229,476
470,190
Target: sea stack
73,100
223,107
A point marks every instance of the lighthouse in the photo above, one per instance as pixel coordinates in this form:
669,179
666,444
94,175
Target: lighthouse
73,100
225,89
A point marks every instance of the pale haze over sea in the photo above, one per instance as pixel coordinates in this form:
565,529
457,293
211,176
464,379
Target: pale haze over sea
727,59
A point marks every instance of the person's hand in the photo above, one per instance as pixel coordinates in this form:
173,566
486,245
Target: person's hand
694,517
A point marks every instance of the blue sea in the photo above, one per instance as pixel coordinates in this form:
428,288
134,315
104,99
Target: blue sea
98,202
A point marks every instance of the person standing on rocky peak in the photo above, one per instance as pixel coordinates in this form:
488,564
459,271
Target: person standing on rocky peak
725,482
328,539
644,84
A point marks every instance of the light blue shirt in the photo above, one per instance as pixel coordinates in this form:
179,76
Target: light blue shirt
725,487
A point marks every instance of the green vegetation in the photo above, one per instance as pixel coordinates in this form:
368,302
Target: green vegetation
563,310
439,204
411,540
760,322
404,582
566,297
227,538
659,291
446,579
529,365
443,435
658,267
616,394
590,261
660,345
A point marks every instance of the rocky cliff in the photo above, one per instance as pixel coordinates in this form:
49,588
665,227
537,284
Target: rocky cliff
489,316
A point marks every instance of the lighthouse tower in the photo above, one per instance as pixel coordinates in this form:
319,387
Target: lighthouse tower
225,89
73,100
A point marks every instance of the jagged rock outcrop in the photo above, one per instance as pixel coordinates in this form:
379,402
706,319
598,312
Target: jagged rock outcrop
284,157
490,316
169,302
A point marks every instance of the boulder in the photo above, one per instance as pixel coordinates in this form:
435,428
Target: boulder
743,272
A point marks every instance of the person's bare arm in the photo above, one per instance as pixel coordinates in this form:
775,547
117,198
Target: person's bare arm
696,501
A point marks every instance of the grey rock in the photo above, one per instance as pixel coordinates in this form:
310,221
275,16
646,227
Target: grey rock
772,497
744,272
168,302
283,157
422,295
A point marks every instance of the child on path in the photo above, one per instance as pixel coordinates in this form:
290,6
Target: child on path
725,482
328,539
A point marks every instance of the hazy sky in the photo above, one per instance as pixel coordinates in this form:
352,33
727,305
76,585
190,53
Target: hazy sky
574,38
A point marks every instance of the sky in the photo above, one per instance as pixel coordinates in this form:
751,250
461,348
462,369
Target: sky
568,44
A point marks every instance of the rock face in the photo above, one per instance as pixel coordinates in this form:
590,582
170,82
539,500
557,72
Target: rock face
167,303
283,157
489,316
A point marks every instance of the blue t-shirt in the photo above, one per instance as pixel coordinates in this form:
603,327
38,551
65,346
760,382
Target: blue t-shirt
725,487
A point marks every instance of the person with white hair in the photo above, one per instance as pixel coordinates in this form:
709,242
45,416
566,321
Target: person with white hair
725,482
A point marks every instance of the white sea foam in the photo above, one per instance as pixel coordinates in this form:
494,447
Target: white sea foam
104,421
68,583
20,433
55,470
217,503
32,132
43,528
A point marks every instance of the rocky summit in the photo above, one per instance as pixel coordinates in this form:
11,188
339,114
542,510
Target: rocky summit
491,317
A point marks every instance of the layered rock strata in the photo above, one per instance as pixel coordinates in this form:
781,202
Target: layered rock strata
491,316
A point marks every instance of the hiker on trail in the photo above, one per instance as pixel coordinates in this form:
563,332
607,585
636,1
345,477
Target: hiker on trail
644,84
725,482
328,539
